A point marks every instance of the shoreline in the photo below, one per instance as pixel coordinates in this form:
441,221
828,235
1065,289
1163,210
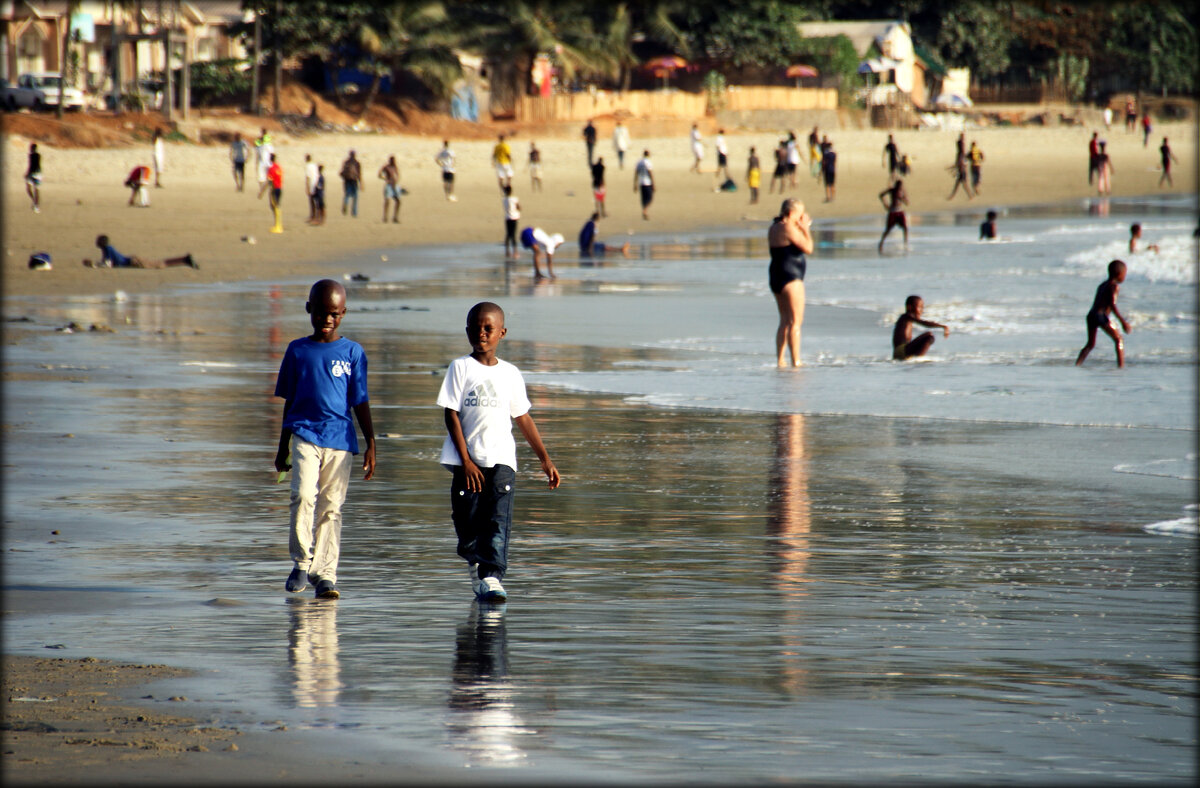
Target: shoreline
199,211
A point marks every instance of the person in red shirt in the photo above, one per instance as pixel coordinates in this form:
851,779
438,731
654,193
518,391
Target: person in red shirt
275,176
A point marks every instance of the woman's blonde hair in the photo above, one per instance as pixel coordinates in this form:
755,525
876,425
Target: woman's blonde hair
787,207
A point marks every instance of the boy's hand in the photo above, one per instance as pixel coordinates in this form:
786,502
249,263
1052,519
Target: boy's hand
551,473
369,462
1124,326
945,331
281,461
474,476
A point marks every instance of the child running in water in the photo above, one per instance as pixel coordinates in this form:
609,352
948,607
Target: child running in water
323,377
1097,318
903,345
482,395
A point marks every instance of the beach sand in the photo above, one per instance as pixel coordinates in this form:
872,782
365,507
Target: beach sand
95,729
199,211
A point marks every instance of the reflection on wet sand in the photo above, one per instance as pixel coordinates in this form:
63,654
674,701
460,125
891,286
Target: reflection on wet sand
482,721
789,520
313,653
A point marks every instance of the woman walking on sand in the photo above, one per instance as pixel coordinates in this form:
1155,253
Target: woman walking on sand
789,239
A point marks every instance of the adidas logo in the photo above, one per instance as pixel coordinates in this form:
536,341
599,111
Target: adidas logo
484,396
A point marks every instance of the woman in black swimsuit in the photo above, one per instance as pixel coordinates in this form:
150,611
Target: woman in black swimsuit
789,239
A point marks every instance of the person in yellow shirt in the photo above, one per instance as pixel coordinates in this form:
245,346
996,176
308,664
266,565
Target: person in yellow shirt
502,159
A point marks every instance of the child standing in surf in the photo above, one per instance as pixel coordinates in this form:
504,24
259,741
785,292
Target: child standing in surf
323,377
1097,318
482,395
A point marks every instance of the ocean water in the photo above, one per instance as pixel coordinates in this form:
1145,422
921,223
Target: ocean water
973,567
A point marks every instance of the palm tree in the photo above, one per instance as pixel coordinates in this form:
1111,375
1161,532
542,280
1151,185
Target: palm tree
64,59
414,35
650,20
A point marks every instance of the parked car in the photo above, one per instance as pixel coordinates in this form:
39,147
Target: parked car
14,97
48,83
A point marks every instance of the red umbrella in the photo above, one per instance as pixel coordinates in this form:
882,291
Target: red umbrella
663,66
800,70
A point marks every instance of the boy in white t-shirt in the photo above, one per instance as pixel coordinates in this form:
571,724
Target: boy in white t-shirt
482,395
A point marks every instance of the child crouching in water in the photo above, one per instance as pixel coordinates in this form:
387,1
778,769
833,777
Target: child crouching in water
481,395
903,345
322,378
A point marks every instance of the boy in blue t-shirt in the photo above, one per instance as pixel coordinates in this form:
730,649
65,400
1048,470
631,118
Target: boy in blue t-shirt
482,395
322,378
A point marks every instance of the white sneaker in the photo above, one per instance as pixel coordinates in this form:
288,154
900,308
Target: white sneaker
473,572
452,198
490,590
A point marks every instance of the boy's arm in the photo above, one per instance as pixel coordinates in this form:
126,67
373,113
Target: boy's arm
454,427
363,411
530,431
285,441
931,324
1113,306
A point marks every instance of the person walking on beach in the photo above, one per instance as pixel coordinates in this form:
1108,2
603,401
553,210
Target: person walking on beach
1164,151
535,167
589,139
1104,168
512,212
753,175
643,182
138,182
351,174
598,189
891,157
160,157
829,169
903,345
697,149
959,170
814,153
896,197
502,162
620,143
1093,156
445,160
1104,304
322,380
310,186
481,396
238,150
1130,115
722,157
264,148
275,177
975,159
780,171
319,197
390,175
111,258
1107,118
789,240
792,150
540,242
1146,128
33,177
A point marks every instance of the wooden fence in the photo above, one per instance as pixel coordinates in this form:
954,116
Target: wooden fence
579,107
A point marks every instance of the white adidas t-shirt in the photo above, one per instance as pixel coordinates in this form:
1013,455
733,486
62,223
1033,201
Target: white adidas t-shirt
487,399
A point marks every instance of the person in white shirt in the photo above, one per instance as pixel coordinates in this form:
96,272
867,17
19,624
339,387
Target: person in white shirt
722,156
481,396
263,149
160,155
310,186
512,212
621,143
445,160
643,181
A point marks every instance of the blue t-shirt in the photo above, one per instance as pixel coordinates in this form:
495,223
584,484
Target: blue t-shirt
324,381
114,258
586,236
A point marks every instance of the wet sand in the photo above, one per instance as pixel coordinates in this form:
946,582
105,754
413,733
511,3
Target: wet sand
199,211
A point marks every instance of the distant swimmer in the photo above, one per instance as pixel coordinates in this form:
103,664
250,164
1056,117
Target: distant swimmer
1097,318
896,216
987,230
1135,235
903,345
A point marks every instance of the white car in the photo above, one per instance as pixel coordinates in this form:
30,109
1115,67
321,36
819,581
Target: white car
13,98
48,82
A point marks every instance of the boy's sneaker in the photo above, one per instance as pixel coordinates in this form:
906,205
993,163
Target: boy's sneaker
327,590
490,590
296,581
473,572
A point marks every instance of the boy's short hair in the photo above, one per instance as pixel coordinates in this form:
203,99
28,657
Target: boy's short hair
485,306
595,216
991,215
1116,267
507,189
101,240
1135,227
911,301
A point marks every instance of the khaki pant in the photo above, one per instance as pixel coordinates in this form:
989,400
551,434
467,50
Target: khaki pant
320,478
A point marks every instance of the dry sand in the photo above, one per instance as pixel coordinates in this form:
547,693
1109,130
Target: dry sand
87,732
199,211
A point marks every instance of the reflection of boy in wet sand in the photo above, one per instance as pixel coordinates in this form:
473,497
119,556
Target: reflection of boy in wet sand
903,345
1097,318
895,217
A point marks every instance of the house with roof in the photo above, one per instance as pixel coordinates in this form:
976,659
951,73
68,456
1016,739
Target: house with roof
889,53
